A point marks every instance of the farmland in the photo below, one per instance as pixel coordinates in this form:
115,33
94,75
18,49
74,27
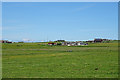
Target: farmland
37,60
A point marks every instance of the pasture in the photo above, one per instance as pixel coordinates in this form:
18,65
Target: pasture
36,60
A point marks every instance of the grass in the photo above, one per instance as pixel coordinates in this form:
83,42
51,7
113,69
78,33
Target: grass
35,60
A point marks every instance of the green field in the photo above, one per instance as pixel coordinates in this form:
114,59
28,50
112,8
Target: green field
36,60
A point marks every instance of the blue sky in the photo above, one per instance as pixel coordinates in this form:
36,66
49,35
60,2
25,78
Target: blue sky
59,20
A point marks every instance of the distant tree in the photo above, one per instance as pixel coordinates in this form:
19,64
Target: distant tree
60,41
21,42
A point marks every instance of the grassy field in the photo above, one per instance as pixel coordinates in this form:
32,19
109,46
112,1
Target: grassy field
34,60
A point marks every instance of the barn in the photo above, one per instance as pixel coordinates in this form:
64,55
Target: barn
5,41
98,40
51,43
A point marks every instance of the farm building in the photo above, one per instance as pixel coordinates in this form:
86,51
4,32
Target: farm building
51,43
74,43
5,41
65,43
98,40
82,43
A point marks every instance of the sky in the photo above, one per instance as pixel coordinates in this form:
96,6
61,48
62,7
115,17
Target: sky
70,21
60,0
